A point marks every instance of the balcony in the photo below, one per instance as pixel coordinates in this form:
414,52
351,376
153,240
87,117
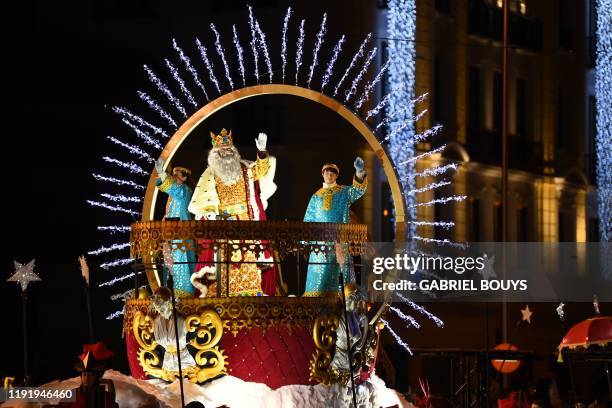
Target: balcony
487,21
484,146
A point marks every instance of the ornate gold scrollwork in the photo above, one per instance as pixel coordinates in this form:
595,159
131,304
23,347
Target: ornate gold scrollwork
211,361
324,336
142,327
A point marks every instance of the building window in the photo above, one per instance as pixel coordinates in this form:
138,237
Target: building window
592,143
521,108
521,224
565,24
498,89
475,220
475,100
498,220
561,121
443,6
437,114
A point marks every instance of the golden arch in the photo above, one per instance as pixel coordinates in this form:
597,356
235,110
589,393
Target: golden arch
227,99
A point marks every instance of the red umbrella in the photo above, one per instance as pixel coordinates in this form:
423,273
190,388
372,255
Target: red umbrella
596,330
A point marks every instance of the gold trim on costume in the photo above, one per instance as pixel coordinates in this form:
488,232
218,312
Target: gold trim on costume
360,185
166,184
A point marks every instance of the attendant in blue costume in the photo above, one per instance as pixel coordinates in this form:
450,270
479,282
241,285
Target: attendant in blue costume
179,196
332,203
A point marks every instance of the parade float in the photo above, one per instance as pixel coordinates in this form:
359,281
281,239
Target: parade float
234,319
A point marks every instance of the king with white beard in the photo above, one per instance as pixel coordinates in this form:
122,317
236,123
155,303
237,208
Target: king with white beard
234,189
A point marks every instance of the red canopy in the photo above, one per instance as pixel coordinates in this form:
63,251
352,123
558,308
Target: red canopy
596,330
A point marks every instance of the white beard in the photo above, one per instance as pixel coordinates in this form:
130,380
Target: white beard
227,168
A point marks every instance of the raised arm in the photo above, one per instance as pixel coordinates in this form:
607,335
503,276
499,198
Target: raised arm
360,181
262,163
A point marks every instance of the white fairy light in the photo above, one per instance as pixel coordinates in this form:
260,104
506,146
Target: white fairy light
136,118
357,55
398,131
187,62
107,249
436,171
442,224
120,182
444,241
135,150
427,133
429,187
389,117
155,106
131,166
163,88
142,135
401,26
114,208
441,200
424,155
114,315
284,41
254,43
120,198
397,338
239,54
116,262
359,76
332,62
370,86
421,310
378,107
114,229
299,51
264,47
409,319
315,52
181,83
221,52
209,65
119,279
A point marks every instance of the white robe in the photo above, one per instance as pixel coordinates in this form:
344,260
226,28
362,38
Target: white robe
205,200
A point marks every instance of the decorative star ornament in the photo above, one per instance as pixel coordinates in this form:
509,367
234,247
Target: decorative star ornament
526,314
596,304
487,272
560,311
24,274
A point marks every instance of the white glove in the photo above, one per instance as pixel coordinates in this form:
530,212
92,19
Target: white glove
159,167
261,142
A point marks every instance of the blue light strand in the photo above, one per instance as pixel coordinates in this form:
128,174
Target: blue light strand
284,41
317,48
163,88
261,36
209,65
239,54
136,118
221,52
181,83
299,51
603,98
357,55
131,166
332,62
348,94
155,106
189,66
144,136
254,43
135,150
401,24
120,182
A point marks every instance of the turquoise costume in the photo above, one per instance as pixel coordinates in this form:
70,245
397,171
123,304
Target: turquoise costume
179,196
330,204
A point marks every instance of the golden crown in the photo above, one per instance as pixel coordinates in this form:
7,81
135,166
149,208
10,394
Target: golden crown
222,139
